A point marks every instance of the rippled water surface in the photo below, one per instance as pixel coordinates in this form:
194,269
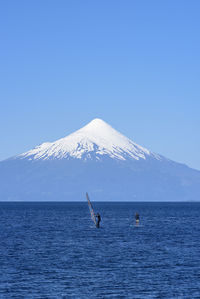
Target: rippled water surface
53,250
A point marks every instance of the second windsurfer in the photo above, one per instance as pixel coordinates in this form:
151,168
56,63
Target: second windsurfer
137,218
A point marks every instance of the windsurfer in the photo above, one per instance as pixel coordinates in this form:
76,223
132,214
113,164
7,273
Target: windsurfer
137,218
98,220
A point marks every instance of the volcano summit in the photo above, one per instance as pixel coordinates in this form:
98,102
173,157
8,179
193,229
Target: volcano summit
100,160
94,141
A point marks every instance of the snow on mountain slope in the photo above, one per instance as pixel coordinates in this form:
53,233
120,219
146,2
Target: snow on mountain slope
94,140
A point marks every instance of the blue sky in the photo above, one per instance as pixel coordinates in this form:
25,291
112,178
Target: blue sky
135,64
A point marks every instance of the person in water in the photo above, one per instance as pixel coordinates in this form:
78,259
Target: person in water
98,220
137,218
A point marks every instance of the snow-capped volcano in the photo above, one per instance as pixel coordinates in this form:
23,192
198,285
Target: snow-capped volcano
100,160
93,141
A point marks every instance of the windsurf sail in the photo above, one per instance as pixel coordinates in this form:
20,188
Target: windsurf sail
91,209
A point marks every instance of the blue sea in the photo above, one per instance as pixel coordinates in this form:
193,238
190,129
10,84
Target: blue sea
53,250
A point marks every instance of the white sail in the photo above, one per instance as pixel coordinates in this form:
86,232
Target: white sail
91,210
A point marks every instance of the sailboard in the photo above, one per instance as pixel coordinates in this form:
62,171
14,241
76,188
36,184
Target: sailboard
91,210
